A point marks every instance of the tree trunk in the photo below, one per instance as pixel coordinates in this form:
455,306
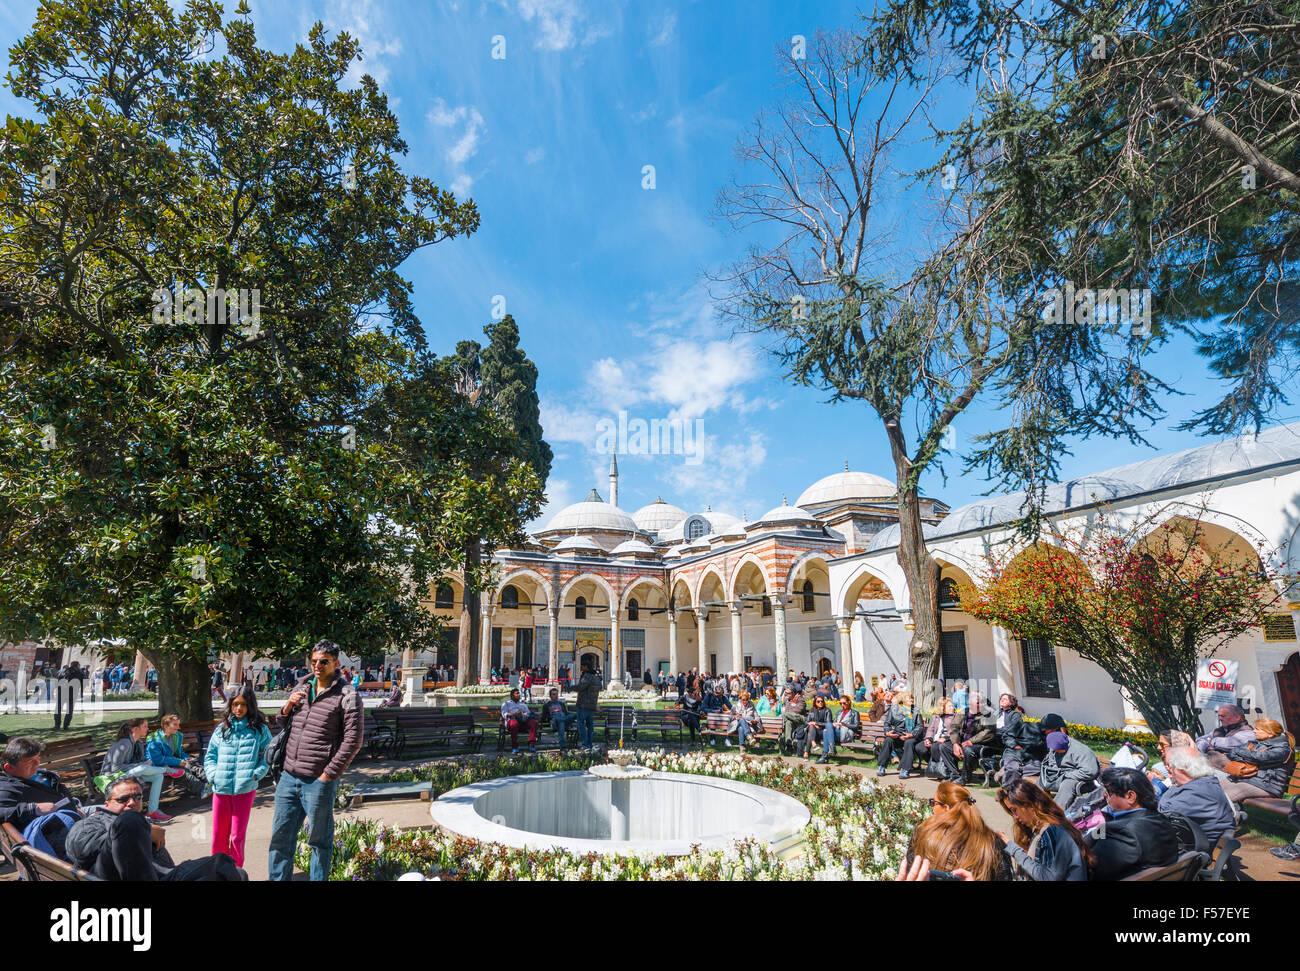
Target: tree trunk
467,641
184,686
922,575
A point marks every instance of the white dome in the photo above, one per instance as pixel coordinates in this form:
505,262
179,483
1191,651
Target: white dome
658,516
675,553
581,545
786,513
845,486
593,517
633,547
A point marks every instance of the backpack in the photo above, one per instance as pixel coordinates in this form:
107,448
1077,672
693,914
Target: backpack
1032,737
47,833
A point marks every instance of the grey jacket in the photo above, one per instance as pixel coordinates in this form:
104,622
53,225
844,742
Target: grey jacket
1204,802
588,691
1222,739
1275,759
1078,763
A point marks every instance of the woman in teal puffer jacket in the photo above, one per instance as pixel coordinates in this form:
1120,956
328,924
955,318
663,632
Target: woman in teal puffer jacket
235,762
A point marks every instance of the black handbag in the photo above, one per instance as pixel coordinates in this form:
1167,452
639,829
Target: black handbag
279,748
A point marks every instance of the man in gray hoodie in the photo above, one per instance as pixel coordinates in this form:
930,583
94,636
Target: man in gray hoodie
1069,769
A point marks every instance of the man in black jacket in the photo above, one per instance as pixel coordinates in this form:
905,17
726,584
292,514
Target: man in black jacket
28,792
119,843
1134,835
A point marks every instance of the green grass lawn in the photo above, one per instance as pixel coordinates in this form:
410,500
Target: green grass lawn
41,726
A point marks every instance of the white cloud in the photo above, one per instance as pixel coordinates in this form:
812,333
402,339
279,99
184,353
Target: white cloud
561,423
362,21
559,493
664,31
557,22
534,156
442,115
728,464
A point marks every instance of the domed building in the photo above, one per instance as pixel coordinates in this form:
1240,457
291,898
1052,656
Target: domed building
816,584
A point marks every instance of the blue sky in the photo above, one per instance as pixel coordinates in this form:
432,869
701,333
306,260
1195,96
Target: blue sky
605,277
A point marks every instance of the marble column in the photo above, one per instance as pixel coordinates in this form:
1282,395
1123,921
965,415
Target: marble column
1005,682
673,667
782,649
737,645
139,672
615,672
845,624
554,656
485,645
702,616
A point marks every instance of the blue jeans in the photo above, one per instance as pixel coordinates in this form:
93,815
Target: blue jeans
586,727
562,723
152,774
297,799
744,729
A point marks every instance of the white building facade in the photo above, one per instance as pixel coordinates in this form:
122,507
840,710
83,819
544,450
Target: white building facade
818,584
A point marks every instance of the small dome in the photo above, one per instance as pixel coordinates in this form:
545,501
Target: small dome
889,537
846,486
633,547
580,546
695,545
786,514
675,553
591,516
658,516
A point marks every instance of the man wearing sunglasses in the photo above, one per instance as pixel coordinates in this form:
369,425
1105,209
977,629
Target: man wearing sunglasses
117,842
325,715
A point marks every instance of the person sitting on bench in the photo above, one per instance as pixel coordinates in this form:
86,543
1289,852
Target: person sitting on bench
1069,770
557,713
516,715
28,792
117,842
902,730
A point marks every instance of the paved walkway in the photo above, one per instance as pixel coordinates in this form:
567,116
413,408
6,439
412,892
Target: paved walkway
189,833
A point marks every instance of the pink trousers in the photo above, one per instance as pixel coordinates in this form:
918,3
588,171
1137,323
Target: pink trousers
230,824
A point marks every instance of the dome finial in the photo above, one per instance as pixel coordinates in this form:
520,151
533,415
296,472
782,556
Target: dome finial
846,465
783,502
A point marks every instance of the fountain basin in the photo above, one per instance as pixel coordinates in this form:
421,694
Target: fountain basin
665,814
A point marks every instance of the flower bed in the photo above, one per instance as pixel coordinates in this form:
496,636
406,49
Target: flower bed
859,829
1108,736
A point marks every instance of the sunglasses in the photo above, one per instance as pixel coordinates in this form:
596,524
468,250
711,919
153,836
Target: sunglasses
136,796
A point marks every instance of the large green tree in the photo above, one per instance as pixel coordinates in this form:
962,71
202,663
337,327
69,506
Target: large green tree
502,379
175,469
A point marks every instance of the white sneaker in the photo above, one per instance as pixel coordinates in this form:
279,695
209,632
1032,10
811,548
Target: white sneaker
728,741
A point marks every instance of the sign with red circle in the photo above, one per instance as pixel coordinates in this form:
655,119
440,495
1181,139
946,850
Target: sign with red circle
1218,668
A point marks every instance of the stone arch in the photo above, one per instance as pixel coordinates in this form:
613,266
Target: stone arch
597,579
680,594
749,560
865,577
642,580
542,584
1219,523
797,572
713,572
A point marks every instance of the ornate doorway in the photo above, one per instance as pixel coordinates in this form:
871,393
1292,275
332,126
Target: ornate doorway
1288,689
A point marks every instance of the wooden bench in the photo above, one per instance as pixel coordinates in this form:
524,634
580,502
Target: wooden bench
1287,806
666,722
68,758
423,728
10,840
717,721
379,728
1185,868
44,868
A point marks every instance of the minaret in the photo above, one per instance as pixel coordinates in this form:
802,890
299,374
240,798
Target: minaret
613,478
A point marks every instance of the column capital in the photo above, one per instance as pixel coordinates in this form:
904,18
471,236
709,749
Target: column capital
777,603
613,614
554,611
702,613
845,624
737,606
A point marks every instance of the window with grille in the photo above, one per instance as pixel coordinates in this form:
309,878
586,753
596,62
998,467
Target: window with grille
633,610
1041,678
952,653
510,598
767,607
809,601
444,598
580,608
948,596
696,527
